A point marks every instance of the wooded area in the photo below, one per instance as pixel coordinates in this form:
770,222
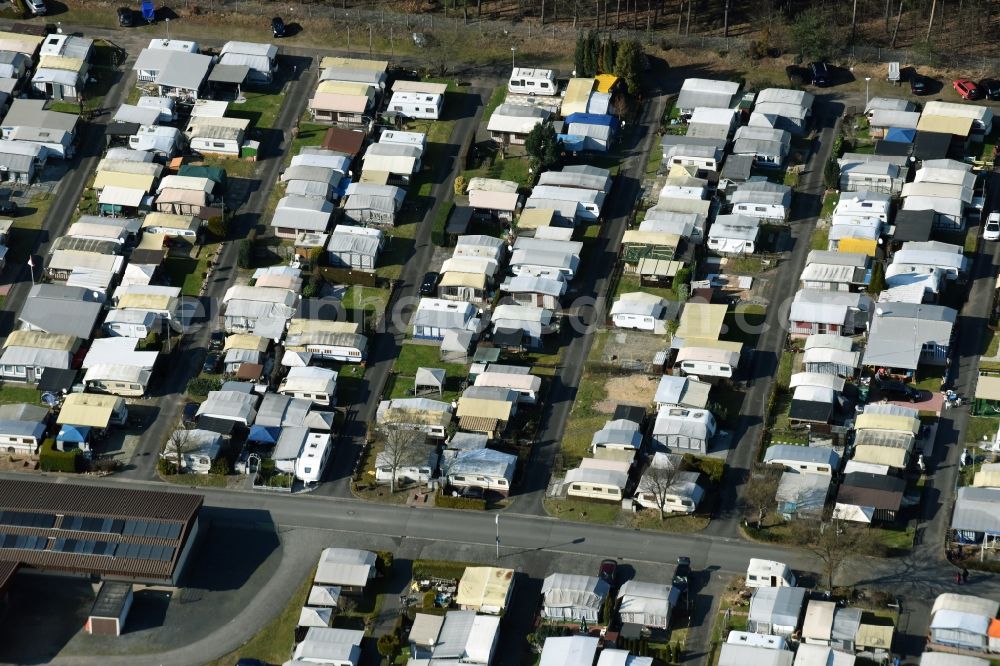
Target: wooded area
935,28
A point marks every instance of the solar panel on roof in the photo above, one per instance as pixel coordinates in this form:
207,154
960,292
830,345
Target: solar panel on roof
27,519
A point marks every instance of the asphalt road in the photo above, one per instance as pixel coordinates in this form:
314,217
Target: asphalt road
806,205
385,345
90,149
185,361
917,579
600,264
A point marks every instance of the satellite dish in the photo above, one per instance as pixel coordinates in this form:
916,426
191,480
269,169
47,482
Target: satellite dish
878,311
50,399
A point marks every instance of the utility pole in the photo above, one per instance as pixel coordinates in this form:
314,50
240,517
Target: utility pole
498,535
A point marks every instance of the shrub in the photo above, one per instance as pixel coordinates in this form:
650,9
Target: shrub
459,185
384,562
439,569
220,466
449,502
200,386
166,467
51,459
388,645
244,252
216,226
710,467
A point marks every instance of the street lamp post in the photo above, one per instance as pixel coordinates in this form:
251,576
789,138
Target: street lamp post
867,81
498,535
168,29
512,50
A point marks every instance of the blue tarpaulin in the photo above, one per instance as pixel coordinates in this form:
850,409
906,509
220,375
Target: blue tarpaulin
263,434
591,119
899,135
342,187
74,434
572,142
148,11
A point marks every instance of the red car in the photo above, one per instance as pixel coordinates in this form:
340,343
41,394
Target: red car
967,89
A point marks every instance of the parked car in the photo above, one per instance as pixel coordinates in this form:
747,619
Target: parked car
682,573
125,17
967,89
919,84
473,492
8,207
277,27
895,390
247,661
429,284
608,571
990,88
212,363
217,341
37,7
820,73
991,230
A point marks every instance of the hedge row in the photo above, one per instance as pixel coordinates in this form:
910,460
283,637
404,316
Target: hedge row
449,502
51,459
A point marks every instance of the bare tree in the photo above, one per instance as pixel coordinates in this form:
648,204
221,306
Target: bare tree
759,491
178,444
401,446
834,544
660,483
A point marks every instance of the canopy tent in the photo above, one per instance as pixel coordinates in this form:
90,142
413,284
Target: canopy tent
429,379
315,617
900,135
73,434
263,434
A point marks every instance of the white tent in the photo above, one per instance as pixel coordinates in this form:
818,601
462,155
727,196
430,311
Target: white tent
315,617
432,378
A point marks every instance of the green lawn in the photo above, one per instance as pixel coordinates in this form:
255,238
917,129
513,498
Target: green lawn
27,227
980,427
820,239
260,108
584,420
273,643
993,343
188,272
235,167
496,99
744,323
830,202
513,167
630,282
412,356
310,134
600,513
397,251
364,299
785,368
197,480
14,393
655,158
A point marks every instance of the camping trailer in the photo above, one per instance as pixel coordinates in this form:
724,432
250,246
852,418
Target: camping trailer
768,573
531,81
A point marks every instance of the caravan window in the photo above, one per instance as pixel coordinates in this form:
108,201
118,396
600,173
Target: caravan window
543,84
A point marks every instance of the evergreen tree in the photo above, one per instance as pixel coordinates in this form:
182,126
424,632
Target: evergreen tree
579,57
608,53
590,55
628,64
543,146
